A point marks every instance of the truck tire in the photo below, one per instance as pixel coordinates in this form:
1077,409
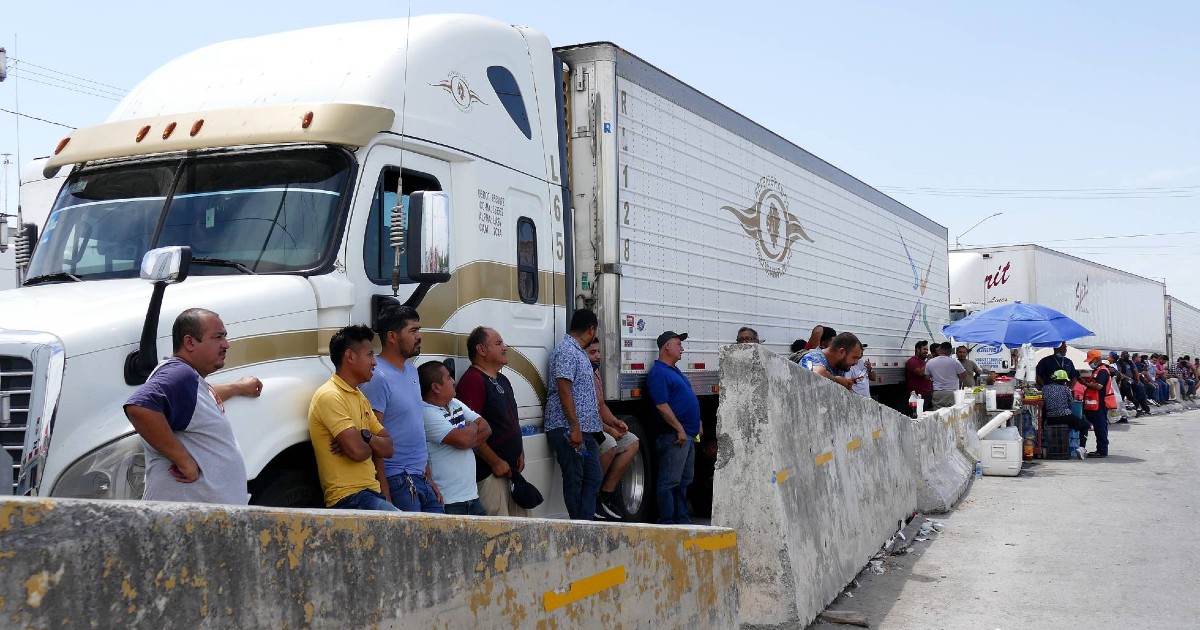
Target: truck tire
636,489
288,488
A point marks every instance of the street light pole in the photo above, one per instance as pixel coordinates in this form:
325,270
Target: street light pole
956,245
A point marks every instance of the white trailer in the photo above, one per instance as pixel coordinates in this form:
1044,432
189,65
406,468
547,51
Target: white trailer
569,178
1183,328
35,198
706,222
1124,310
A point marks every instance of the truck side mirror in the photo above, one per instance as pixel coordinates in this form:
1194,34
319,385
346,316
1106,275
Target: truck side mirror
167,264
3,234
428,236
162,266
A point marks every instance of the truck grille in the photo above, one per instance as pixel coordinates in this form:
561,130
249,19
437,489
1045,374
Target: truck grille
16,381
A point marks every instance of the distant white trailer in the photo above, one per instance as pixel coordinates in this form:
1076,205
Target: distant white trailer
36,196
1183,328
1126,311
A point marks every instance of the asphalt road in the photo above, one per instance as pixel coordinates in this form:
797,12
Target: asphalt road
1102,543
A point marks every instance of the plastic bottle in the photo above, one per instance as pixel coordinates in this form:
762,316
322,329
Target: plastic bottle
978,469
912,403
1027,455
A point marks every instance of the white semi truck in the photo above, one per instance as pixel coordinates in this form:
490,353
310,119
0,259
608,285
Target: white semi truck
518,181
1126,311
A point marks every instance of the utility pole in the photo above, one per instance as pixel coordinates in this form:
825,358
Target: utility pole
4,215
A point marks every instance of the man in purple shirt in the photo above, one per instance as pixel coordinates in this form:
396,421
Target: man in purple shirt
191,453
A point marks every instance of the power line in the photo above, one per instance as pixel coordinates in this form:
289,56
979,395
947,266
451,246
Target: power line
21,75
1092,238
1144,192
1039,190
25,71
30,63
9,111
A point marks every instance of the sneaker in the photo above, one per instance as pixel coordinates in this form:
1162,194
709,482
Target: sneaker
1081,452
610,505
1139,414
1097,454
1123,420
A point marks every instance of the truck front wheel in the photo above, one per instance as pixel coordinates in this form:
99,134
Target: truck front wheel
288,488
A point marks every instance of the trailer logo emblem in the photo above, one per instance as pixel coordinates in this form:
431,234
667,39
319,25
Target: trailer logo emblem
771,225
456,84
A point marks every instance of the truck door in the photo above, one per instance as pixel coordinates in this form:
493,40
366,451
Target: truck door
387,181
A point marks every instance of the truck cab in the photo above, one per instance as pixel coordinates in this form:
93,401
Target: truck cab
287,163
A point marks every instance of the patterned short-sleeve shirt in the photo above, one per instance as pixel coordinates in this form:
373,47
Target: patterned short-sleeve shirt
569,361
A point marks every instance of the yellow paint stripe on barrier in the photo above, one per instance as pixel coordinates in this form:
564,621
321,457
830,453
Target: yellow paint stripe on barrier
877,434
781,476
579,589
824,458
713,543
853,444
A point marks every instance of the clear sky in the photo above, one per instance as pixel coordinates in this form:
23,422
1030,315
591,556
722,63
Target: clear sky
1075,120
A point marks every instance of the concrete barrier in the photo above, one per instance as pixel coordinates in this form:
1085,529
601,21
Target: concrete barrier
128,564
946,448
815,479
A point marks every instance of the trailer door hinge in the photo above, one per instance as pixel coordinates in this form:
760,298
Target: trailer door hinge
613,268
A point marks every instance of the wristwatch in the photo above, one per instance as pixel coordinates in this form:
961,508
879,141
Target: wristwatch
366,436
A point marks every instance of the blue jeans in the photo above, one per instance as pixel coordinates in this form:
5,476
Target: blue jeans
474,507
1164,390
580,473
365,500
676,465
1099,420
412,493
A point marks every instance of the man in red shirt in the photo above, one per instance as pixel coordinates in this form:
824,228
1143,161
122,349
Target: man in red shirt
486,391
914,374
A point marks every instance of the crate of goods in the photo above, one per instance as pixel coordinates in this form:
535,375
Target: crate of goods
1056,441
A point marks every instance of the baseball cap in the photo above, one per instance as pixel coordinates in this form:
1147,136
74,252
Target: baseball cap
669,335
1092,355
1060,375
524,493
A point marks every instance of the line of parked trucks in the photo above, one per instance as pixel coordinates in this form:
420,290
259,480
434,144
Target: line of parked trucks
483,176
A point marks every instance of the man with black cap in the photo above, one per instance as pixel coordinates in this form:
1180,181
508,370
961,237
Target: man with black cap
677,406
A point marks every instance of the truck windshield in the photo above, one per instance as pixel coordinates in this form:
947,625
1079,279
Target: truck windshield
270,212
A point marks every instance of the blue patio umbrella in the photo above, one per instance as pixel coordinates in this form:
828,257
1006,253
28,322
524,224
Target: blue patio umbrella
1015,324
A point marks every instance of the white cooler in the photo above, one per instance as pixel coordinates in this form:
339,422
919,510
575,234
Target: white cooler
1001,453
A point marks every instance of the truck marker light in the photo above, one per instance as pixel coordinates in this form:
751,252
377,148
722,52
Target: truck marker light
697,366
196,127
168,131
636,393
62,144
306,120
141,134
716,389
637,366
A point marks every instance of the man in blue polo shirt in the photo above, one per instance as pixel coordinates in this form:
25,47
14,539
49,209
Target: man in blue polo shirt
679,410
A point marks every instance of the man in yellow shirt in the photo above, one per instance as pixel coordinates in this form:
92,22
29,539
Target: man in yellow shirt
347,438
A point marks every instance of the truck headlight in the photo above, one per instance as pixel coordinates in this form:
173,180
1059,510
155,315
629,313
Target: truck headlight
114,471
